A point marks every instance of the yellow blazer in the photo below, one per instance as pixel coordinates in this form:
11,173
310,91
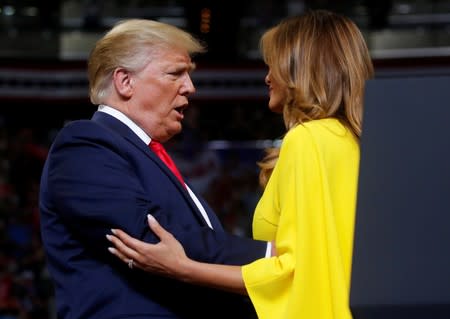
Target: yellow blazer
308,208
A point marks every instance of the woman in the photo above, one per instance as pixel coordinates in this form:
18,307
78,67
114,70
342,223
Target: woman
318,64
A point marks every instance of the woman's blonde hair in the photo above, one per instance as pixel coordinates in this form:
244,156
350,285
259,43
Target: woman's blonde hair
322,60
129,44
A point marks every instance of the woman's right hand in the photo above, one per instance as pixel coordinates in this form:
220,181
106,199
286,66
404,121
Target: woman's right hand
164,258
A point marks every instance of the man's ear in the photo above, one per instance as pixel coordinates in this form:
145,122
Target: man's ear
123,82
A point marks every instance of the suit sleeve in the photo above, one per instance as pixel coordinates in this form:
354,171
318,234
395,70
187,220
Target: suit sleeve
92,185
216,246
92,188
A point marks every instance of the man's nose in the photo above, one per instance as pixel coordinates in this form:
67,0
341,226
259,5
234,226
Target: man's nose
188,86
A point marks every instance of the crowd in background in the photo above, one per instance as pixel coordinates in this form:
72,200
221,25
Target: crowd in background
225,173
25,287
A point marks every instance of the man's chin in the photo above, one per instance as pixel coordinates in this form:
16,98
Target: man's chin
176,130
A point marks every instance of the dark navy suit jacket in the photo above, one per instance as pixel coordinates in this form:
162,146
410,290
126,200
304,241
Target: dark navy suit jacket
99,175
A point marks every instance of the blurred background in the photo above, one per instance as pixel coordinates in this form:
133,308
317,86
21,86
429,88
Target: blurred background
43,85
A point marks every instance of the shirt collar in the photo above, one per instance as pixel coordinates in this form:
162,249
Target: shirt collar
125,120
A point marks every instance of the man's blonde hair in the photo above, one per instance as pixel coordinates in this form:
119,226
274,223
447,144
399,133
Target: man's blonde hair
129,45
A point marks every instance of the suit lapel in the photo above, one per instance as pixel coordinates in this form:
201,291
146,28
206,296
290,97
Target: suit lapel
117,127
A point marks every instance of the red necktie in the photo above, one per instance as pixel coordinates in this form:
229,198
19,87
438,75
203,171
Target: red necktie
159,150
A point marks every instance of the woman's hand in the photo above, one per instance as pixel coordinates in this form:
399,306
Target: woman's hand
165,258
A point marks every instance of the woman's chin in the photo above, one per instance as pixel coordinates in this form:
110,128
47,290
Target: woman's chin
275,108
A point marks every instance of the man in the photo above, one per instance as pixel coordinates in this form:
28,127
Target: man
101,174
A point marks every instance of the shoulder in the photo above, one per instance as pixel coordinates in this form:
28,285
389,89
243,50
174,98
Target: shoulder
328,136
328,126
80,129
79,126
318,130
81,134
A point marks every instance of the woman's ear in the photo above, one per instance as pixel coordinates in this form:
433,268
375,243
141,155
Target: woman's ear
123,82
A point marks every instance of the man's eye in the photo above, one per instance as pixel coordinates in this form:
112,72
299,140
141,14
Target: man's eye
176,73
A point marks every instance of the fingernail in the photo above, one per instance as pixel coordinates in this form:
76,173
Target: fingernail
112,250
151,218
108,237
113,231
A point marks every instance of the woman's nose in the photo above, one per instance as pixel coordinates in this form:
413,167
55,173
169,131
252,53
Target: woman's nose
267,78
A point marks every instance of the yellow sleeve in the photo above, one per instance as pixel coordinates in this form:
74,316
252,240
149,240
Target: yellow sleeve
310,200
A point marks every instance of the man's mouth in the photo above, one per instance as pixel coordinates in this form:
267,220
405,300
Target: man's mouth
180,109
